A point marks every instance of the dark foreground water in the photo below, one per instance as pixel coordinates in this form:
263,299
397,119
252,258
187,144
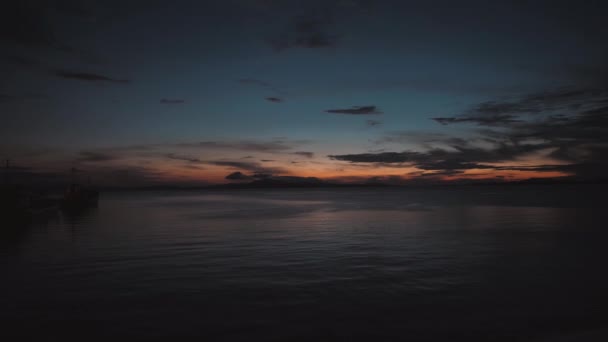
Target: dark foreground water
454,264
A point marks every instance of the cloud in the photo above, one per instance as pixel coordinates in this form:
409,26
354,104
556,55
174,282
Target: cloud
568,126
274,99
273,180
458,155
373,123
450,164
273,146
357,110
559,101
89,77
93,156
183,158
238,176
382,157
249,166
439,173
37,65
172,101
482,120
305,154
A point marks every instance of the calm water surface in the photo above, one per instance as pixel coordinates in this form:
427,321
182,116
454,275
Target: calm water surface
458,264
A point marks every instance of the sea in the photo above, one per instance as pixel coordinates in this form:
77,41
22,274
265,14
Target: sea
451,263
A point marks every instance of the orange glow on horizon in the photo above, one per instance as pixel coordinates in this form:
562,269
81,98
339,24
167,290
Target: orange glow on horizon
217,175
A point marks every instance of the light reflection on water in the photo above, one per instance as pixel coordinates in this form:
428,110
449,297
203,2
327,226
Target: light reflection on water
345,264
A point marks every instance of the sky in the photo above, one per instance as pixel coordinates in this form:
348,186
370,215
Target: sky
203,92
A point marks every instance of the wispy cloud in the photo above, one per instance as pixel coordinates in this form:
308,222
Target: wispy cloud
254,167
181,157
482,120
88,77
272,146
565,101
567,127
305,154
37,65
274,99
172,101
357,110
382,157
